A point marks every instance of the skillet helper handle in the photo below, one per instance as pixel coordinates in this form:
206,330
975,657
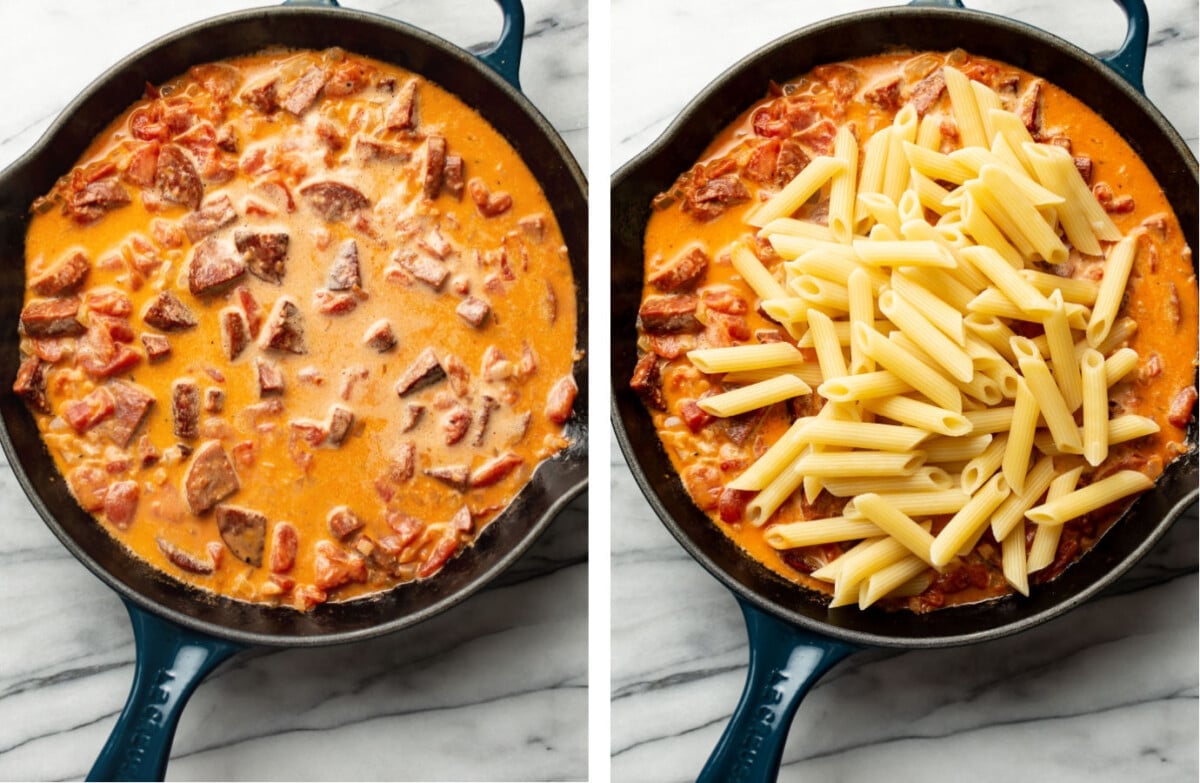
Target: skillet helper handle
171,661
1130,60
785,661
505,56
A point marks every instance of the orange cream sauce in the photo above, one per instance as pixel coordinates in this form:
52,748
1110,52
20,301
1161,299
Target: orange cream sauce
1163,264
533,313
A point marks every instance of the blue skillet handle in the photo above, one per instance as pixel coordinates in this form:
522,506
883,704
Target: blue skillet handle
785,662
1129,61
171,661
504,57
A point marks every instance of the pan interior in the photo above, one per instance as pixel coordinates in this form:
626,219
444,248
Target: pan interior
682,144
553,484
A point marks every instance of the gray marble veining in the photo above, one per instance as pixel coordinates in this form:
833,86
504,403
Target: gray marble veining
494,689
1105,693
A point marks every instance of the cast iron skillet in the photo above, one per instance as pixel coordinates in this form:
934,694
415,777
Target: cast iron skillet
182,633
793,637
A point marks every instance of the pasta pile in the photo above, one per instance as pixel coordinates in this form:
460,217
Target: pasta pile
933,404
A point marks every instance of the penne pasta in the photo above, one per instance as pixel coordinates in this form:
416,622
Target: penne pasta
813,532
755,274
810,179
1020,437
1095,408
968,521
1011,512
756,395
1045,537
842,190
919,414
744,357
1074,504
908,368
896,524
1112,287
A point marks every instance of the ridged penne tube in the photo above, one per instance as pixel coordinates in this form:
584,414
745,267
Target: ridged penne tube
935,165
1107,490
863,435
930,195
910,208
826,345
1119,364
929,131
810,179
969,520
919,414
979,469
1079,193
756,395
782,453
895,172
1095,408
1051,163
1082,292
820,292
886,581
903,253
844,331
990,420
880,383
835,266
913,323
880,209
813,532
1129,427
908,368
1029,222
755,274
809,372
1015,134
1012,559
829,572
986,100
861,310
869,561
1018,290
945,317
946,449
1050,400
1062,353
843,186
981,228
1045,537
1112,288
798,228
1003,376
1122,331
926,479
966,110
859,463
767,502
896,523
943,286
744,357
1009,513
789,311
976,158
1020,437
1004,152
920,503
875,151
993,208
791,246
993,331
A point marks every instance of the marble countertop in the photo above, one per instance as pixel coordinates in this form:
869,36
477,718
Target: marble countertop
494,689
1105,693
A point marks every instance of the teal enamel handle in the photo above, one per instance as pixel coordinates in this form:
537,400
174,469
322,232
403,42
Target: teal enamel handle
785,662
171,661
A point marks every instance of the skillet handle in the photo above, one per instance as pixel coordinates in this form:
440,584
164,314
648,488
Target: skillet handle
785,661
171,661
1129,61
505,56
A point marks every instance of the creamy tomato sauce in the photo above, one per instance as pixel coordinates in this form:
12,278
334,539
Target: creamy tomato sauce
766,147
299,325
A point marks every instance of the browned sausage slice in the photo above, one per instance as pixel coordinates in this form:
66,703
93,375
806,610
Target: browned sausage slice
184,560
52,318
214,268
176,179
210,478
185,409
244,531
216,213
284,328
265,253
63,276
334,201
425,371
167,313
345,274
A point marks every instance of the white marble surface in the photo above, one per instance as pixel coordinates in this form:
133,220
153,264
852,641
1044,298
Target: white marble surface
1107,693
495,689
